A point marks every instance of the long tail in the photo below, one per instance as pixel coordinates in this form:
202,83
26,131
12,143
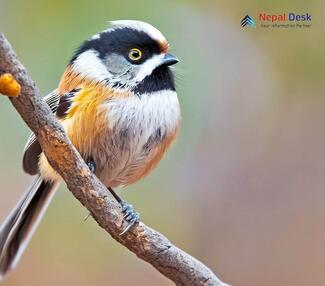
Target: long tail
19,226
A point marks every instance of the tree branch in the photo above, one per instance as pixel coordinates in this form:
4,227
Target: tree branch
145,242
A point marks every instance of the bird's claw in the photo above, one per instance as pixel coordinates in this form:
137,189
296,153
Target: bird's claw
92,166
130,216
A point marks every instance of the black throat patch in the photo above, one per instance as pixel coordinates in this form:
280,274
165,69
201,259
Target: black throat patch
161,78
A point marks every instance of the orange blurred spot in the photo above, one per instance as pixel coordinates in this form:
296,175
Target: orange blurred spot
9,86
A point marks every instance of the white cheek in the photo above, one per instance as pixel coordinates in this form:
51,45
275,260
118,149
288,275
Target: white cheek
90,66
147,68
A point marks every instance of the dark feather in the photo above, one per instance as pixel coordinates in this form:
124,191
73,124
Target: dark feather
20,225
65,103
59,105
30,157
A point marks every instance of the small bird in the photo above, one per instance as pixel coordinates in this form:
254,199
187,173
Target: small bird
117,103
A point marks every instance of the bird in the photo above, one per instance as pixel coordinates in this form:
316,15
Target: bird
118,104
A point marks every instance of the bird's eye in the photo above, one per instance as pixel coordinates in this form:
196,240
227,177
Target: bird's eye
135,54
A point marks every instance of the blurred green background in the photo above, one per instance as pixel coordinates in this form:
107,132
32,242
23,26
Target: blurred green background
243,187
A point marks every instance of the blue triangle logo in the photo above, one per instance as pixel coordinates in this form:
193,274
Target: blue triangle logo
247,20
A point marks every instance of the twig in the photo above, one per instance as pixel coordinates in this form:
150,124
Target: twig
146,243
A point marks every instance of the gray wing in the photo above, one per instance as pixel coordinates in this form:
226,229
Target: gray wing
58,105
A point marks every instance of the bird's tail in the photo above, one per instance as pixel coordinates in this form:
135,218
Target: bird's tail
21,223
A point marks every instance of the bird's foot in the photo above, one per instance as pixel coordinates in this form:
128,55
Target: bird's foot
130,216
92,166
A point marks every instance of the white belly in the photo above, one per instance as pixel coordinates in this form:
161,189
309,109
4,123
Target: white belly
138,125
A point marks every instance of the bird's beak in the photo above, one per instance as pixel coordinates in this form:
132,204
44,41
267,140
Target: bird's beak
169,60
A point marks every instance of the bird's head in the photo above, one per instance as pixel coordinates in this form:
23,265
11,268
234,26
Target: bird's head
130,55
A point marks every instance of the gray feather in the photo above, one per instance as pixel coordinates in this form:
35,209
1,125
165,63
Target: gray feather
18,228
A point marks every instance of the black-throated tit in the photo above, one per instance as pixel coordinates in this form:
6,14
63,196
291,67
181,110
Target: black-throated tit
118,105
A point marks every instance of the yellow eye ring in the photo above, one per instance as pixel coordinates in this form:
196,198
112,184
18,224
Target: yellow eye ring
135,54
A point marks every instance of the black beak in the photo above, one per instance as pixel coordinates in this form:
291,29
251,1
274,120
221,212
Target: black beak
169,60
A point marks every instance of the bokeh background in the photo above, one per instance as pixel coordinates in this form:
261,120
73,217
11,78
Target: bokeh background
243,187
